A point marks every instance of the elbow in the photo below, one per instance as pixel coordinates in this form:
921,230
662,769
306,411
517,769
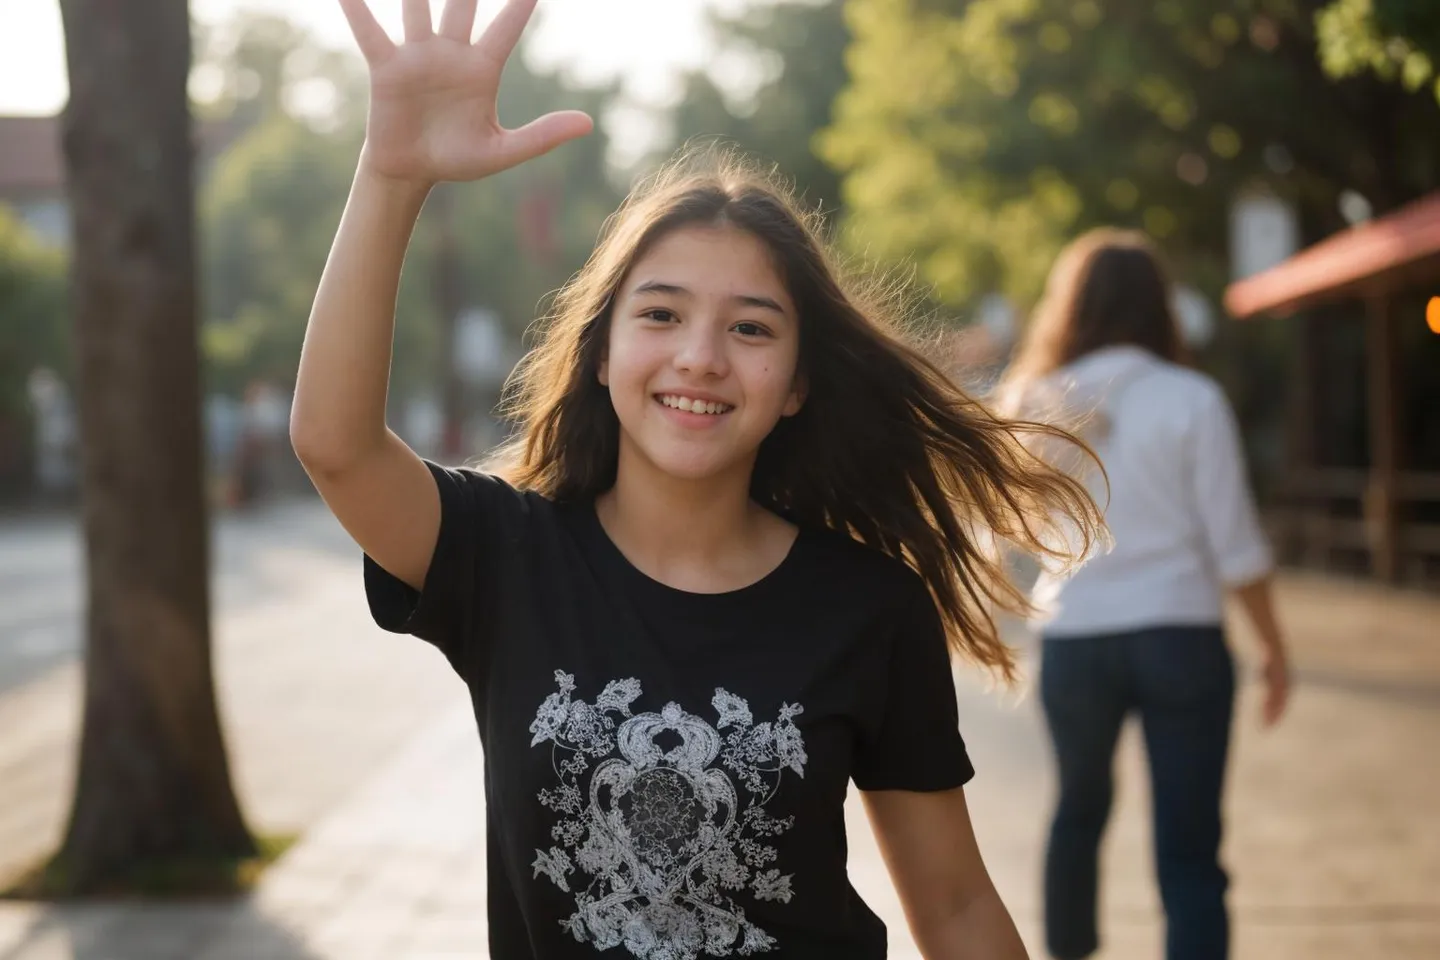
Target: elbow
306,439
324,449
1246,567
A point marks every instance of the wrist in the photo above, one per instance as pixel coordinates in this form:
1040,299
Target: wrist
1273,646
413,192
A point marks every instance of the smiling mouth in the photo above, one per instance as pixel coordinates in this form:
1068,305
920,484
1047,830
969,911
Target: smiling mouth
688,405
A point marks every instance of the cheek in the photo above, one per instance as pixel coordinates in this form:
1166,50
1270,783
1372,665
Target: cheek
630,367
775,378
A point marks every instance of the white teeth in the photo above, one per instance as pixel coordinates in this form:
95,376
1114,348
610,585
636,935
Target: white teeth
693,406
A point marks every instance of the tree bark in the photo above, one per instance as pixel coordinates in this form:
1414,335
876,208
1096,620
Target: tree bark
153,782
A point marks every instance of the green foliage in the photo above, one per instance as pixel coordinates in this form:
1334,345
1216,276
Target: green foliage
975,138
502,267
269,211
258,64
272,203
796,51
33,323
1398,40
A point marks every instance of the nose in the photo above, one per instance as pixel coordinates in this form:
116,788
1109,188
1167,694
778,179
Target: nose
702,350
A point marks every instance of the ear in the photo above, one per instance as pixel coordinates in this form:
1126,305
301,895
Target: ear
798,392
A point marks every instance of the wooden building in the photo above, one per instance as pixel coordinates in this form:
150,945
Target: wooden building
1385,510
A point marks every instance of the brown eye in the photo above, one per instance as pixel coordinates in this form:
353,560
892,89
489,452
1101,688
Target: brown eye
660,315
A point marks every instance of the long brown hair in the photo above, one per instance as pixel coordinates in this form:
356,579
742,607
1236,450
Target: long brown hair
1108,287
885,448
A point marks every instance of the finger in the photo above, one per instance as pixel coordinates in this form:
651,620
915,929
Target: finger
372,39
417,19
505,30
543,135
457,21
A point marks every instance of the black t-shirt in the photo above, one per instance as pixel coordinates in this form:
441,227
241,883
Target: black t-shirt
665,771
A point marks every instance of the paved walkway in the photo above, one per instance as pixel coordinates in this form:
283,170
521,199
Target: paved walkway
1333,840
312,696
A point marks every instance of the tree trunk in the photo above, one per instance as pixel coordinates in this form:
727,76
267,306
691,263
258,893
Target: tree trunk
154,783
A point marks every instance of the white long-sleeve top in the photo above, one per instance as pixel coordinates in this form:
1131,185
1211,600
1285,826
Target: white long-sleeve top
1180,510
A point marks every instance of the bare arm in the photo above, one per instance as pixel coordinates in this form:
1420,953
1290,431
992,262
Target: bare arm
1231,528
432,118
1257,600
340,390
951,905
377,487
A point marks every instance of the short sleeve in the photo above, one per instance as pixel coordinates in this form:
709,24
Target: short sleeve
1228,517
915,743
482,520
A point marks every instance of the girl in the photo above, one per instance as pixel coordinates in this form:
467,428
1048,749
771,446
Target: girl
713,579
1139,629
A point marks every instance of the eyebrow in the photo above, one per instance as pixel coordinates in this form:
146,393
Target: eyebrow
747,299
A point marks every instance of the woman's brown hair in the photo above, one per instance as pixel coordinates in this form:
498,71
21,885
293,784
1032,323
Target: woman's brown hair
1108,287
885,448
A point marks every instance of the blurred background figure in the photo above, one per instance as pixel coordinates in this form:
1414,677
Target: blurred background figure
55,435
1139,630
263,444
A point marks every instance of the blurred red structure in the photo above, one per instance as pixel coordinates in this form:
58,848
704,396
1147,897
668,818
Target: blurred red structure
1374,262
1397,252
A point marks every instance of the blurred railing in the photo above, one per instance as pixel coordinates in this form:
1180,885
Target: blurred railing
1322,514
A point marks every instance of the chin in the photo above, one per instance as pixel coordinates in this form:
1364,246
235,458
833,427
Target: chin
686,462
689,466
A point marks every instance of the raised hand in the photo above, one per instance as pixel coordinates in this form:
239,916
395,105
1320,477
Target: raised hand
432,97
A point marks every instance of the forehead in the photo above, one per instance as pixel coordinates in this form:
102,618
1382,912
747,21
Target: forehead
709,261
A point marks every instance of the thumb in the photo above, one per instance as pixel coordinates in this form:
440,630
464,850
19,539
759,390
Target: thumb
543,135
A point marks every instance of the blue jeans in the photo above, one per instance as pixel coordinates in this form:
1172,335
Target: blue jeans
1181,683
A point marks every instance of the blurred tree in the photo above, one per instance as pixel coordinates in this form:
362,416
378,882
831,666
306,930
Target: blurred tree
791,55
33,334
521,234
271,205
977,137
153,782
505,243
259,64
1396,39
269,211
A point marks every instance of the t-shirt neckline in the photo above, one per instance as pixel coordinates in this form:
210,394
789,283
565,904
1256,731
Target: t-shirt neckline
664,593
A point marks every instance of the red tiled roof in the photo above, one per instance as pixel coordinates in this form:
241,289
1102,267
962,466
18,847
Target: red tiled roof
1386,253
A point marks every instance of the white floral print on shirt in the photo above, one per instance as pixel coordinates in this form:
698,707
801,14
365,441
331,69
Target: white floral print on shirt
653,839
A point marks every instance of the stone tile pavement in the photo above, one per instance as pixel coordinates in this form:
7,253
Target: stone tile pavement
312,698
1333,842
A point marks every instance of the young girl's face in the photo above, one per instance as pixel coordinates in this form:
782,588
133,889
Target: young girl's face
701,360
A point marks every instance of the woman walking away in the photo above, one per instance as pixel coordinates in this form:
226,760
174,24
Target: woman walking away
1139,629
717,577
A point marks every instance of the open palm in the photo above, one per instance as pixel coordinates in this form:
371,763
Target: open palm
432,98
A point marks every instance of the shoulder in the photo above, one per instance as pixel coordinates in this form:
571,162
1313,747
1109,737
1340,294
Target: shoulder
1185,391
486,480
488,496
1196,384
866,572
